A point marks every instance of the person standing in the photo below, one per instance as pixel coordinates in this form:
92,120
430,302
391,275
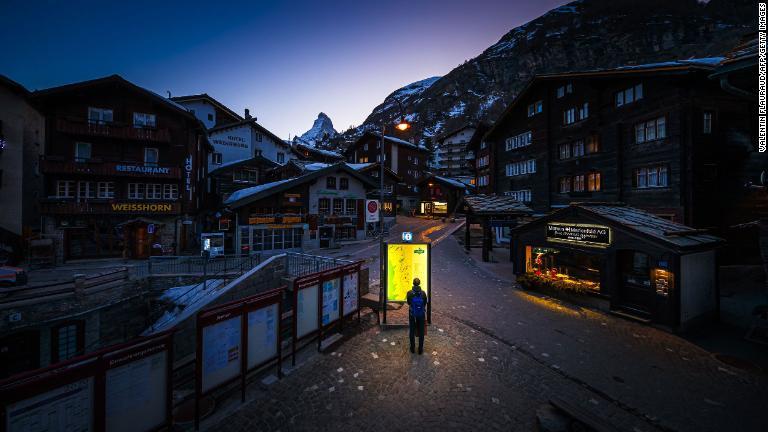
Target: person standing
417,306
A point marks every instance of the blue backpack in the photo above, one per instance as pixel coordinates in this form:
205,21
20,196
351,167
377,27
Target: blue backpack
418,303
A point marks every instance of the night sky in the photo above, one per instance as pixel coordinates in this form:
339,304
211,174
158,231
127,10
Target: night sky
286,61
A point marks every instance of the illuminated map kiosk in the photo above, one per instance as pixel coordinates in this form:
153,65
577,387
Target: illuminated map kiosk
402,263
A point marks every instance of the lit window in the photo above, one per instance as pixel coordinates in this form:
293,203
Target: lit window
593,182
578,148
338,206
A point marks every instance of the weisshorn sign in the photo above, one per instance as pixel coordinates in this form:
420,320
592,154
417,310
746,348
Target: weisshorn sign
142,207
584,234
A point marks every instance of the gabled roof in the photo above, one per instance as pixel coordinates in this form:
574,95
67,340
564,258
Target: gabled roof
324,153
495,205
14,86
650,226
391,139
112,79
444,180
255,193
248,122
675,67
443,136
260,160
206,97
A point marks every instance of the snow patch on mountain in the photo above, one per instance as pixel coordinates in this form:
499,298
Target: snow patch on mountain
322,130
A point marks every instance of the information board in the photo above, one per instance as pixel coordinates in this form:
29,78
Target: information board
221,352
306,311
351,289
66,408
331,300
262,334
136,394
406,261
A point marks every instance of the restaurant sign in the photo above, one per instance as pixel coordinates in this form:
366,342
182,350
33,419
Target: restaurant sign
142,207
588,235
152,170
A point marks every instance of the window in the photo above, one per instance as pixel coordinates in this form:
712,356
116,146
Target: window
565,151
67,341
635,268
415,160
578,148
330,182
245,176
584,111
483,180
151,156
520,168
651,177
517,141
85,189
106,189
144,120
363,159
135,190
210,117
280,157
569,116
99,115
483,145
351,206
365,147
82,151
170,191
707,123
578,183
593,182
565,184
216,158
520,195
629,95
338,206
593,144
569,88
65,189
560,92
651,130
343,183
324,206
154,191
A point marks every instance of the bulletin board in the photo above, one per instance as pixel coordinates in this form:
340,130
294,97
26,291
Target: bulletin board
263,336
351,286
305,307
221,351
330,303
68,407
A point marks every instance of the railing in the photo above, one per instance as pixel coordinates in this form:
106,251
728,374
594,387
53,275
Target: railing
112,130
299,264
50,165
195,265
78,286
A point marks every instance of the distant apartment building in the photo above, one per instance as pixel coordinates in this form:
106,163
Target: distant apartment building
22,139
453,156
124,170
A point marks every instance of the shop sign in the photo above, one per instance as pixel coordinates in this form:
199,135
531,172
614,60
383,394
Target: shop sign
440,207
291,219
142,169
588,235
261,220
142,207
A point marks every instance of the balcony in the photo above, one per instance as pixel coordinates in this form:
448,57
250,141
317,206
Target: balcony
64,206
113,130
95,167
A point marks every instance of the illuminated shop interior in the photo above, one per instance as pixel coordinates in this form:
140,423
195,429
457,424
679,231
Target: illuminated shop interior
577,268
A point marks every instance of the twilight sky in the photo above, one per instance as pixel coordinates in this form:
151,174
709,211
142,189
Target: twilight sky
286,61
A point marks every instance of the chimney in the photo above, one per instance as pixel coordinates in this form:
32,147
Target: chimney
247,113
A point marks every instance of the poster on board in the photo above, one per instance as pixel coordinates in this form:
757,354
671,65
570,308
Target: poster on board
331,300
135,394
350,292
221,352
406,261
262,335
306,311
66,408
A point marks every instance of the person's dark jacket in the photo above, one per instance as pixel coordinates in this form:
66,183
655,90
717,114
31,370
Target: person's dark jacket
416,290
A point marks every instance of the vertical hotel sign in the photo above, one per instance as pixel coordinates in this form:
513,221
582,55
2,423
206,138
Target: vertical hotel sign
188,176
762,92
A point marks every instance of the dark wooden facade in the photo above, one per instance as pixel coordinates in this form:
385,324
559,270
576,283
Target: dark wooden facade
440,196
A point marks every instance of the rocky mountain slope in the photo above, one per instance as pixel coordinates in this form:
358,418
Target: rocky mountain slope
322,130
582,35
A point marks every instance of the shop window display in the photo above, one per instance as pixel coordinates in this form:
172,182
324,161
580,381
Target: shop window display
562,269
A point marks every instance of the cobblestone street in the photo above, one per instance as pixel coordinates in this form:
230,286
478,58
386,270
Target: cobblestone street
493,355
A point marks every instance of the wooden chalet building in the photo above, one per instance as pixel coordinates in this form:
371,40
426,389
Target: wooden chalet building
663,137
124,170
407,160
441,196
310,153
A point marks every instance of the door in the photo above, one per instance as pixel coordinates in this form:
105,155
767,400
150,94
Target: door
19,352
141,242
635,292
326,234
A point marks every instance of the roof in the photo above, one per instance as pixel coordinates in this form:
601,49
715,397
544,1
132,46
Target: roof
14,86
653,227
495,205
670,67
251,194
232,164
391,139
116,79
445,180
248,122
740,57
326,153
449,132
211,100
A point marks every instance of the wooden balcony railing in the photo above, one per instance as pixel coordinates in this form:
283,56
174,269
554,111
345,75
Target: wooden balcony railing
51,165
112,130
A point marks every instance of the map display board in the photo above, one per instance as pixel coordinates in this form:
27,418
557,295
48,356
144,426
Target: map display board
221,352
66,408
262,334
136,394
351,290
306,310
330,303
406,261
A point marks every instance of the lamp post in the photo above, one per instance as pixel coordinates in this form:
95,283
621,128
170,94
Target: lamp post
402,126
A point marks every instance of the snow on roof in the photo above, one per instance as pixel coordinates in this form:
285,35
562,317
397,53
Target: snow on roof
403,142
243,193
704,61
452,182
188,299
227,164
359,166
314,166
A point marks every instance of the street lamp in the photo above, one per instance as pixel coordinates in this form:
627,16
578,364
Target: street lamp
402,125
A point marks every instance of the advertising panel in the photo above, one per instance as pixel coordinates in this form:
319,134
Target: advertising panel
404,263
